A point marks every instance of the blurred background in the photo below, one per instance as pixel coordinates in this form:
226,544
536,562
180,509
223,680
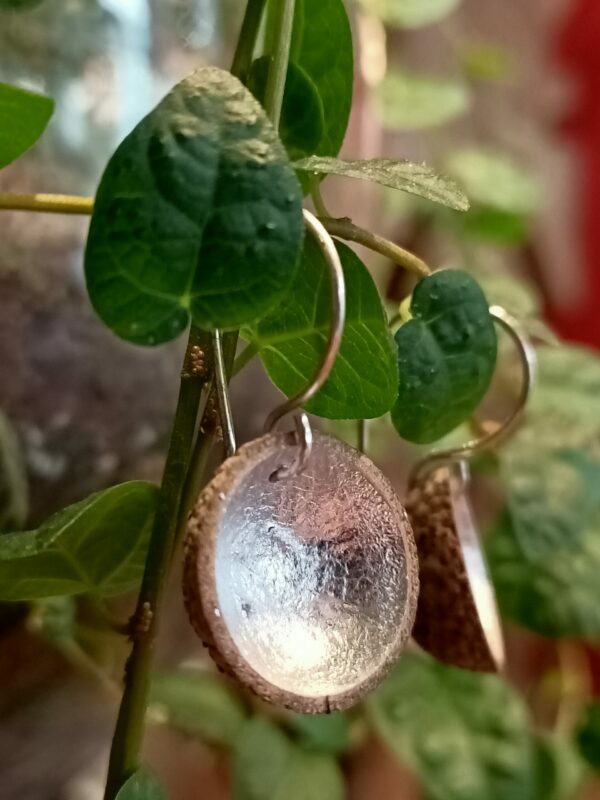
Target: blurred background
500,95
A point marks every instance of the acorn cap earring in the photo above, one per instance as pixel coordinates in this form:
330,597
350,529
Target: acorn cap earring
301,572
457,618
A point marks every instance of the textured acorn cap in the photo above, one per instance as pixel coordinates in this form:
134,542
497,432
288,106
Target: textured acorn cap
200,592
457,619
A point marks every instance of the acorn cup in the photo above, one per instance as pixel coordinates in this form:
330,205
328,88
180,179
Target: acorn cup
457,618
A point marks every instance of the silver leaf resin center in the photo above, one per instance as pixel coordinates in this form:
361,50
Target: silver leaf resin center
311,571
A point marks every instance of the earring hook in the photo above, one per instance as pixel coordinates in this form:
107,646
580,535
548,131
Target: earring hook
304,436
223,400
338,315
528,359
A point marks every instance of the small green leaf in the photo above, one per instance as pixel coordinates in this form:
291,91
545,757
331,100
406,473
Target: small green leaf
261,757
330,68
267,766
404,175
446,356
464,734
410,13
498,227
141,786
24,118
97,545
14,493
494,180
412,102
302,121
544,552
325,733
53,618
291,341
588,735
200,704
199,211
485,62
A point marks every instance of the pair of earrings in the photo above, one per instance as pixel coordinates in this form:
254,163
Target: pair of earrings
301,570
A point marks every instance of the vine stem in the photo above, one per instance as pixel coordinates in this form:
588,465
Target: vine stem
344,228
50,203
283,11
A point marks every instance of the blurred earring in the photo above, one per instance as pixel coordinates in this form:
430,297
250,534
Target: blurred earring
457,619
301,572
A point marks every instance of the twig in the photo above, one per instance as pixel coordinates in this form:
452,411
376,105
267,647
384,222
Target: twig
50,203
344,228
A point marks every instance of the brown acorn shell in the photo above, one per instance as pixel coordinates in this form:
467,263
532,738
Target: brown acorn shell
448,623
200,594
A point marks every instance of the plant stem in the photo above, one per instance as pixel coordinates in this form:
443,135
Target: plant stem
284,24
346,229
52,203
129,731
244,52
244,357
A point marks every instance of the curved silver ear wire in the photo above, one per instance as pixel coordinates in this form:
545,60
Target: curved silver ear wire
223,401
338,316
528,360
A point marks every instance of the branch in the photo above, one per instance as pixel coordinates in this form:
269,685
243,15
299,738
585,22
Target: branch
50,203
344,228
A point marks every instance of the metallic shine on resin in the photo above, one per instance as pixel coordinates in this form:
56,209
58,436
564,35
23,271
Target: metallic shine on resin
312,579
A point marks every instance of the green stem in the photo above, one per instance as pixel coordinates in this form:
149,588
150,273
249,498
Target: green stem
284,25
244,52
244,357
129,731
344,228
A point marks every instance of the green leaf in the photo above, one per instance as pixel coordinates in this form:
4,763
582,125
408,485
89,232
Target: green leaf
141,786
521,299
410,13
267,766
498,227
53,618
200,704
560,770
588,735
198,211
413,102
446,356
325,733
291,341
544,552
14,493
97,545
485,62
407,176
494,180
563,411
329,67
302,118
464,734
24,118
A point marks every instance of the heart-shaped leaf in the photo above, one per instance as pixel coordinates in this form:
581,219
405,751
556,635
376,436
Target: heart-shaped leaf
97,545
200,704
198,211
446,356
268,766
330,68
141,786
465,735
410,13
291,340
24,118
544,552
302,120
404,175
